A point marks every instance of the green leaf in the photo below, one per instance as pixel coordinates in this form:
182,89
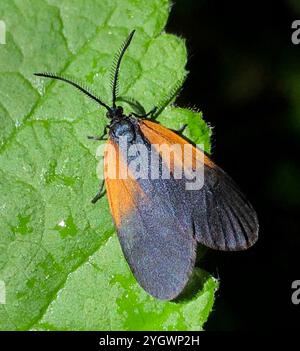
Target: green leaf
60,259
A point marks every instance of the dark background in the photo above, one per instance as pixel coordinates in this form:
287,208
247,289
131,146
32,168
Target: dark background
245,78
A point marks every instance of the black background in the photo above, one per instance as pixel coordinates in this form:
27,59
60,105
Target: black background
245,78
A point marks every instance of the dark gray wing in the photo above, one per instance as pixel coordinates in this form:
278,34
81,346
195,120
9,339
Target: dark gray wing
222,216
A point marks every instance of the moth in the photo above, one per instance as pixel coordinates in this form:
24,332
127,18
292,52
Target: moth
158,220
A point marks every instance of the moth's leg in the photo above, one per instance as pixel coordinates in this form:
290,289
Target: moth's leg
99,194
101,137
92,137
181,129
150,113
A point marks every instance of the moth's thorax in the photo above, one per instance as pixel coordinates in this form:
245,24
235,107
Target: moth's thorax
124,127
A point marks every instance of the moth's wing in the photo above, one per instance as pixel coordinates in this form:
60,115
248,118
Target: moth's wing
155,235
221,216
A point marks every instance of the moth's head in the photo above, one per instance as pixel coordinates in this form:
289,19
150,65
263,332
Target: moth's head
115,113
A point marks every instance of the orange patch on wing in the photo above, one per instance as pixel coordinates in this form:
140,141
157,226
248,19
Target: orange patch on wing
159,135
120,192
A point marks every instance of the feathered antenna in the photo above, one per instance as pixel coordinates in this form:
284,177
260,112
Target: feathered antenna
116,67
77,85
87,91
